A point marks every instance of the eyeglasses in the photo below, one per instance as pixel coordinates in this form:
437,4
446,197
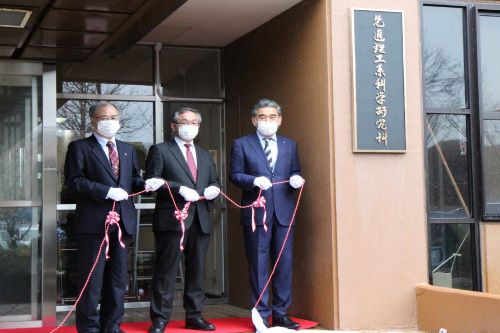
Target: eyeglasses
267,118
107,118
187,123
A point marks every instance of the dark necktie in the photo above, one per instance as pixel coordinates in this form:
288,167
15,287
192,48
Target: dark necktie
113,158
190,161
267,151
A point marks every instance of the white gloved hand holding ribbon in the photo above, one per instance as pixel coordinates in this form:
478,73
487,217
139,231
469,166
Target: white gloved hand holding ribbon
152,184
189,194
296,181
117,194
262,182
211,192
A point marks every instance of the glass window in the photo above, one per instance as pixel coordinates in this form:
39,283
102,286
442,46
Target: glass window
491,167
452,256
20,138
73,123
448,166
489,30
443,58
19,254
189,72
129,74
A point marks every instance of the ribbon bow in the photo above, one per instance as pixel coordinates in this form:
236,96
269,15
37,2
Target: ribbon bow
181,215
259,203
113,218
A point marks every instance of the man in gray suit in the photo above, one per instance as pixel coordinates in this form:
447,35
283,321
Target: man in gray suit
190,172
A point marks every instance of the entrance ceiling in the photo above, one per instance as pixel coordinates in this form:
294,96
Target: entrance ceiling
79,30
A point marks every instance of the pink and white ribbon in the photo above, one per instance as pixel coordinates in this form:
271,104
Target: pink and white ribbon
259,203
181,215
113,218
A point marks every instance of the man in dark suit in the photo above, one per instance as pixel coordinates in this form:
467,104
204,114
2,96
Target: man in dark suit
257,160
190,172
100,170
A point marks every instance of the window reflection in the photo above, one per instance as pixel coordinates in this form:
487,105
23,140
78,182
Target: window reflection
448,166
106,75
190,72
491,167
443,58
19,255
21,138
451,256
489,30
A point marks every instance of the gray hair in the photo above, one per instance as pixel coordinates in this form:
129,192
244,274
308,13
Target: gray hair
265,103
100,105
175,116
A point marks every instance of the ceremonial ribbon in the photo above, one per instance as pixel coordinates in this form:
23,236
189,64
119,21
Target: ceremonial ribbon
113,218
259,203
181,215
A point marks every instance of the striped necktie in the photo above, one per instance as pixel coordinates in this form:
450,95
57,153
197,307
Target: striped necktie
190,161
113,158
267,151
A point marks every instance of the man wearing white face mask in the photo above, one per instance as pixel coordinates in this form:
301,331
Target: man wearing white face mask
101,170
190,172
258,160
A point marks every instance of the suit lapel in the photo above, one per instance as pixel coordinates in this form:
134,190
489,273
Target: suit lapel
177,153
96,149
281,150
255,143
124,158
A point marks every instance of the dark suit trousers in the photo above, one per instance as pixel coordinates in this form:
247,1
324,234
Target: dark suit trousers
107,284
168,256
262,249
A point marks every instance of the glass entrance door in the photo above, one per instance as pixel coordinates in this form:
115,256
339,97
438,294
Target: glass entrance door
20,197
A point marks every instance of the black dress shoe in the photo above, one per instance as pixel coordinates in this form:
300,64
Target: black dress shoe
199,324
158,327
285,321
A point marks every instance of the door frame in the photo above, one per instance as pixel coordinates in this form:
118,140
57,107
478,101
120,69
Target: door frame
43,314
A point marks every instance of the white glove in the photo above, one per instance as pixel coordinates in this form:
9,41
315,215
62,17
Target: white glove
262,182
211,192
117,194
297,181
189,194
152,184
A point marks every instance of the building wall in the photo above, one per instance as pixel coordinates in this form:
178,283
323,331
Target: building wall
361,248
380,198
490,248
287,59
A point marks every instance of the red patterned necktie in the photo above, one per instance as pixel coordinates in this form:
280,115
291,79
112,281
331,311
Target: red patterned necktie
190,161
113,158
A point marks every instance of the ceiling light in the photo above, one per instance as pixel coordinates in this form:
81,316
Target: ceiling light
14,18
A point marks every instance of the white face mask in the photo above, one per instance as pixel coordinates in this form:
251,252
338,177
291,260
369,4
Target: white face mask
267,128
108,128
188,132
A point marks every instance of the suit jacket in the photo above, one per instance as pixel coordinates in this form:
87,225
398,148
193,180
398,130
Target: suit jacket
88,174
165,160
248,161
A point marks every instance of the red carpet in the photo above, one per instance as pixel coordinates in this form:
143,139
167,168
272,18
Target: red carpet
224,325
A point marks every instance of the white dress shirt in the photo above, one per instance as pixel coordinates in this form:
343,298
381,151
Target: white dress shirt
181,144
103,143
273,145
